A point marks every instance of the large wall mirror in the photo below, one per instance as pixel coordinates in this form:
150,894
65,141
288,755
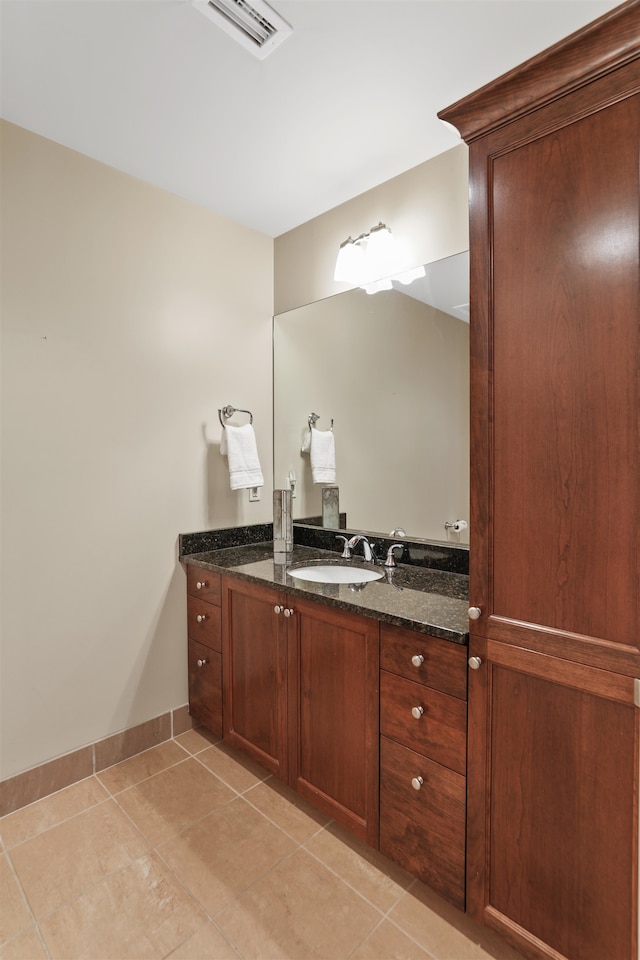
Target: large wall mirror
392,371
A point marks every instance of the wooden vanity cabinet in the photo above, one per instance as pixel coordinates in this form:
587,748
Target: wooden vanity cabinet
423,734
204,628
301,697
554,157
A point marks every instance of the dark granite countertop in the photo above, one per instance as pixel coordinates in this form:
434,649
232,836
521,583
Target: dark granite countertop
430,601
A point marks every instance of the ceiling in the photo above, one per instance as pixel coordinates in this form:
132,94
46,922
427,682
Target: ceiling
349,100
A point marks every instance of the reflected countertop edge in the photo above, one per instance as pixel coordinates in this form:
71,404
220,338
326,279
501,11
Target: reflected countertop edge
430,601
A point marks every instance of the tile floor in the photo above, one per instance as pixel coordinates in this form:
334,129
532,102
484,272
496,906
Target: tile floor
191,851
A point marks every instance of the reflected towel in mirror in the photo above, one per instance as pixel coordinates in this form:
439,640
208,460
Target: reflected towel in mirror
323,456
238,444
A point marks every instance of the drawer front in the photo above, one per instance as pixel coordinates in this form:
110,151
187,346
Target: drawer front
439,731
205,686
438,663
204,623
423,830
203,584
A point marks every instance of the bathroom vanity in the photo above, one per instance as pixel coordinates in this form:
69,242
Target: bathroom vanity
353,694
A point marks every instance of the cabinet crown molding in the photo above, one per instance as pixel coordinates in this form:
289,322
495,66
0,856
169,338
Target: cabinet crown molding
607,43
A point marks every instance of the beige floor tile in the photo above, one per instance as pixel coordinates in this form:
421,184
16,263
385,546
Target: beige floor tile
238,771
138,913
389,943
207,943
40,816
26,946
142,766
194,741
444,931
173,799
287,809
366,870
299,910
59,864
14,913
222,855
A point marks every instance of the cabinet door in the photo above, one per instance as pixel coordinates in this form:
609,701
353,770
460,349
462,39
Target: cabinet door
333,697
552,804
555,564
255,672
205,686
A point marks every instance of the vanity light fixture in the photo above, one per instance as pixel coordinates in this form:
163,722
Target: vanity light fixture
370,256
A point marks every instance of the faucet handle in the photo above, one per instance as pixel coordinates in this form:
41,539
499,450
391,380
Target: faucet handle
346,552
391,560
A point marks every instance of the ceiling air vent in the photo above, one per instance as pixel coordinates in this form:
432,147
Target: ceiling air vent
256,26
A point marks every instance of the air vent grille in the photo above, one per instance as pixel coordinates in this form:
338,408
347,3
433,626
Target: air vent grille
255,25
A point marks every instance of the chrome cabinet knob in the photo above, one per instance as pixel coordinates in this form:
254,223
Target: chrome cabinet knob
475,613
475,663
289,613
417,660
417,712
201,663
417,782
201,584
278,608
201,617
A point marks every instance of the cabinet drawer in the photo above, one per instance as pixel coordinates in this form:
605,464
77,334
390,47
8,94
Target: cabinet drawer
205,686
204,623
423,830
203,584
439,732
443,664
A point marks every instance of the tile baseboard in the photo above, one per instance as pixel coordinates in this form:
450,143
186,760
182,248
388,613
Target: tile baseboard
49,777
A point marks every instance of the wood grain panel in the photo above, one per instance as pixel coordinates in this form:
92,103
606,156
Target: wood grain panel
562,765
423,830
439,733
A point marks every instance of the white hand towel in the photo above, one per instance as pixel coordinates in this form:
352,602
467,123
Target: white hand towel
323,456
239,446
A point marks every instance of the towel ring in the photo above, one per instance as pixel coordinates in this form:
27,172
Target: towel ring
313,418
228,411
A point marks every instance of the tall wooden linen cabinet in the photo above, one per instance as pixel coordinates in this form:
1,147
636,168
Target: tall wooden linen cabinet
552,829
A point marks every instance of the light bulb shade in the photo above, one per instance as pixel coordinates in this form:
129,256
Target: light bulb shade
350,262
382,253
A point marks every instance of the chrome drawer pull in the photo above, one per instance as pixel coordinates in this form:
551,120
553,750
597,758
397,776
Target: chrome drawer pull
201,617
278,608
289,613
475,663
417,660
417,712
201,663
417,782
201,584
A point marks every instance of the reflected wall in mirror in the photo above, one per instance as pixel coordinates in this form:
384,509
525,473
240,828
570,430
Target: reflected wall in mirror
392,371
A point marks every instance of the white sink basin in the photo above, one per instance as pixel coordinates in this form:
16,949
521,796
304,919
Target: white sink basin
338,573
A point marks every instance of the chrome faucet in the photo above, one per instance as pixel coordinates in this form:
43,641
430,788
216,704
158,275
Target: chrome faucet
391,560
366,546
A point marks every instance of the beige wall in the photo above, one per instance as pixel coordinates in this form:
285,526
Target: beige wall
127,320
426,208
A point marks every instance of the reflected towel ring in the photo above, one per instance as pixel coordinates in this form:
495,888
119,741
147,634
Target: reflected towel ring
313,418
228,411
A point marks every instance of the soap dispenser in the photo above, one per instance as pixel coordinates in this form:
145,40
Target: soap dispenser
282,525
